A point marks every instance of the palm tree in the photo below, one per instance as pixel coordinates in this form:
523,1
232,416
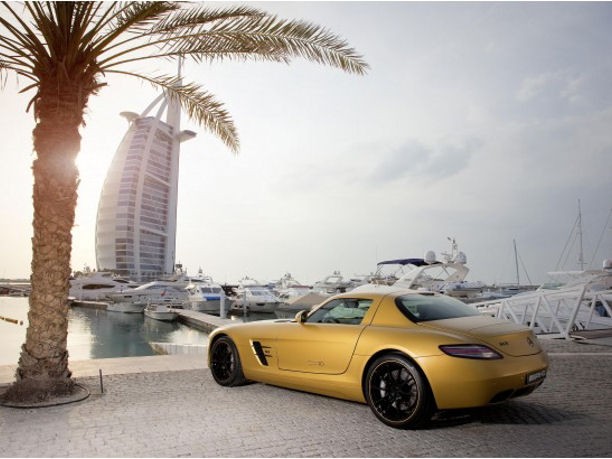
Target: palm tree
64,50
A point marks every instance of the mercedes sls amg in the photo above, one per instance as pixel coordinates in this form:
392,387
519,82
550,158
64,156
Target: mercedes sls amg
404,353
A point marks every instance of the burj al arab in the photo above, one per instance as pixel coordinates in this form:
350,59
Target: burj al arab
136,218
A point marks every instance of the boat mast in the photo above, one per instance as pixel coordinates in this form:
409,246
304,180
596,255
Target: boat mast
518,281
575,233
580,253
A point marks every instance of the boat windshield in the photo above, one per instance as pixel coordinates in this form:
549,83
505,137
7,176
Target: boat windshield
426,307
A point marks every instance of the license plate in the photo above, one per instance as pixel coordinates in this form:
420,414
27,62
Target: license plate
534,377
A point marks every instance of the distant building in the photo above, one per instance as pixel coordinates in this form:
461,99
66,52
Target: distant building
136,220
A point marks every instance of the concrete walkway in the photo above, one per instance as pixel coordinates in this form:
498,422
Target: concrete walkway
124,365
169,406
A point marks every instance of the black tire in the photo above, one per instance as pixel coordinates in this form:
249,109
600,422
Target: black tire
225,363
398,393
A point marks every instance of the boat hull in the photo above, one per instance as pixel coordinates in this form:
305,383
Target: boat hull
126,306
267,307
166,316
202,305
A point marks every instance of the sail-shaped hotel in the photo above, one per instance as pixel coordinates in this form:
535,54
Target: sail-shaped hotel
136,219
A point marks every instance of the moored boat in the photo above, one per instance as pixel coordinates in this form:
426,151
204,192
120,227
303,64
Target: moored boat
254,297
289,308
150,292
95,286
160,311
135,307
288,288
445,276
204,294
332,284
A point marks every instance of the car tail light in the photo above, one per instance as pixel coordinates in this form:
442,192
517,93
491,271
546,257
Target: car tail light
470,351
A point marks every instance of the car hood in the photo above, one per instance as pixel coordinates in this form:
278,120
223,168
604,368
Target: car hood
504,336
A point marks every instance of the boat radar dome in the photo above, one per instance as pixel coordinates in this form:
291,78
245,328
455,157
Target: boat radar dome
430,257
607,264
461,258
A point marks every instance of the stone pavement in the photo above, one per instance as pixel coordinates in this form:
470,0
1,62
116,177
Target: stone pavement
148,410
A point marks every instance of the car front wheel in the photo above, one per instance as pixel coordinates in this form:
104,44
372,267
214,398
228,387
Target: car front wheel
225,363
398,393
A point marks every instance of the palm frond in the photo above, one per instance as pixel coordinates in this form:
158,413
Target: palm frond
178,23
130,18
189,19
13,50
301,39
267,33
24,39
79,42
200,105
241,35
139,17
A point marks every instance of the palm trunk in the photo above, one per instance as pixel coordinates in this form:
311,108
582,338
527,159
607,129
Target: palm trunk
43,366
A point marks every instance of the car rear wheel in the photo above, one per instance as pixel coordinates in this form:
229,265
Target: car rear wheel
398,393
225,363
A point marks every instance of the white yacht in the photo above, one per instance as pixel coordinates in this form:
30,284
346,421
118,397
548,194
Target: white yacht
94,286
155,291
288,288
136,307
446,276
204,294
253,296
289,308
160,311
332,284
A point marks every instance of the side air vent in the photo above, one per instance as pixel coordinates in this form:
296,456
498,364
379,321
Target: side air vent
259,352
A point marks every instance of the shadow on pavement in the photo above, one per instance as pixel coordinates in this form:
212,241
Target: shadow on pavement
511,413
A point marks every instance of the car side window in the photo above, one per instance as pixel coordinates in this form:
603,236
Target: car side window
350,311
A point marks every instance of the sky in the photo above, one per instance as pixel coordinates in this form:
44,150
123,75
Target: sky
484,122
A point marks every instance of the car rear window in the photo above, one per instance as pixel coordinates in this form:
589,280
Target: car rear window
426,307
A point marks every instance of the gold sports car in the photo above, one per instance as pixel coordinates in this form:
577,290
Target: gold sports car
405,353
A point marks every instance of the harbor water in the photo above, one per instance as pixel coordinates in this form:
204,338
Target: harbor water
95,333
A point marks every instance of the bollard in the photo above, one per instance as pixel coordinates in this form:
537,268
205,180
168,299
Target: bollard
222,312
101,383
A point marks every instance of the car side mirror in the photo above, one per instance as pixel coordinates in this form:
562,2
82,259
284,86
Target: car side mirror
301,316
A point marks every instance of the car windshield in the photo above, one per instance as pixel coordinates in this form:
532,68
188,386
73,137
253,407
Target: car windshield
425,307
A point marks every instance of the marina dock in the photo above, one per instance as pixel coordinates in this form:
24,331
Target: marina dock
195,319
201,320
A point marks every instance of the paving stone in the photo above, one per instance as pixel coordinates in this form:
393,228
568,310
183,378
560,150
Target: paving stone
185,414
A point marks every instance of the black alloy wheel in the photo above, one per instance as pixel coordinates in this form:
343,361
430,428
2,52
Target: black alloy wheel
225,363
397,392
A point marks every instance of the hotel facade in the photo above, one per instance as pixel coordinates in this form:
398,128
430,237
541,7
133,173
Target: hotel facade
136,218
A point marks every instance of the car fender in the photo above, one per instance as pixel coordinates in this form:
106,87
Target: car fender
415,341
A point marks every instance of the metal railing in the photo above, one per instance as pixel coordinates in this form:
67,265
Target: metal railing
555,312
